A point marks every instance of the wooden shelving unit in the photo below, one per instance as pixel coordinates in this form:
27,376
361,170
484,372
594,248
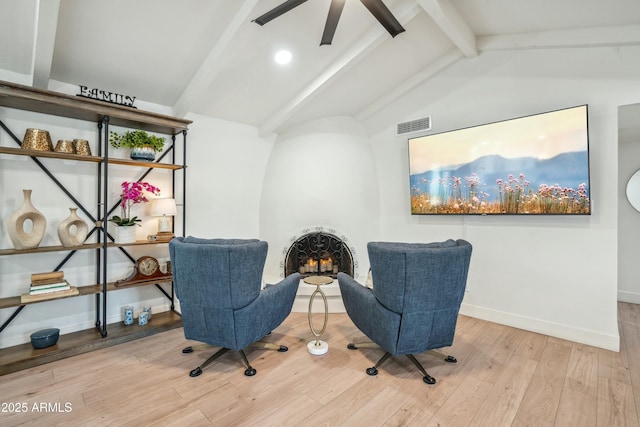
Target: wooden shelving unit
103,114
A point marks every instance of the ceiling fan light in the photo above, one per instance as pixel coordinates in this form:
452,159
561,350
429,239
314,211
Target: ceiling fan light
283,57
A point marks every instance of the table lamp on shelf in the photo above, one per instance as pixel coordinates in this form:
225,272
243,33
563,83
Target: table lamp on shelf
164,209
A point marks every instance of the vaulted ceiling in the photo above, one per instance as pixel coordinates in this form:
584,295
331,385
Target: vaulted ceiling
208,57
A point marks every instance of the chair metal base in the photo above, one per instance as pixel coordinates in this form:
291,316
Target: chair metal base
249,371
374,369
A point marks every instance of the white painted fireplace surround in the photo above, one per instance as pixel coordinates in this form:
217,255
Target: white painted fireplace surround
319,174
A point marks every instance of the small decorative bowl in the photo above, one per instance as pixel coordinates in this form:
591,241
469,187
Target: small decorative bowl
45,338
37,139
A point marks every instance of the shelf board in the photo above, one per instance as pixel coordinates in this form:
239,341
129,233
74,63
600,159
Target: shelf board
137,243
112,286
15,301
43,249
24,356
94,159
127,162
50,154
48,102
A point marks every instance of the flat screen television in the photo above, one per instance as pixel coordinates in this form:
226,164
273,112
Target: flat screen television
533,165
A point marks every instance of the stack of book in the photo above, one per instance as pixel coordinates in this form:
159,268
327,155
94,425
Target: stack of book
48,285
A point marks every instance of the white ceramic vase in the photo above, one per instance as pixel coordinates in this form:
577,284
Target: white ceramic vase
16,222
72,231
125,234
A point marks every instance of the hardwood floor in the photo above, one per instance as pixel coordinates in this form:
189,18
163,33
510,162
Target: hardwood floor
504,377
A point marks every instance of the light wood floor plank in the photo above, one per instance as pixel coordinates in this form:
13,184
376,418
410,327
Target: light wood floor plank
336,411
531,345
542,397
615,404
629,313
582,370
372,412
504,398
186,417
576,408
463,405
631,333
615,365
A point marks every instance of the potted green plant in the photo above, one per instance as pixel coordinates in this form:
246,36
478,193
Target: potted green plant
143,145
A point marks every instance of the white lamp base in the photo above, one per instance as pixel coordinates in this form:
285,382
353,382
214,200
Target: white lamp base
317,350
164,224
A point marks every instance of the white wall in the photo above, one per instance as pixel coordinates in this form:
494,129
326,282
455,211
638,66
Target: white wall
554,275
628,217
226,167
320,174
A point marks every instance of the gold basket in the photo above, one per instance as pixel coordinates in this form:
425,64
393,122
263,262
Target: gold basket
65,146
82,147
37,139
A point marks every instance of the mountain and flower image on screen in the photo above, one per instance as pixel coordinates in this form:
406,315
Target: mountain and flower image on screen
537,164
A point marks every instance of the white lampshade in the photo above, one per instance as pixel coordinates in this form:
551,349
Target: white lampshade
163,208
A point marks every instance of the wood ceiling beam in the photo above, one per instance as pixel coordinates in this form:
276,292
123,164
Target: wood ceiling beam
360,49
452,24
44,40
213,63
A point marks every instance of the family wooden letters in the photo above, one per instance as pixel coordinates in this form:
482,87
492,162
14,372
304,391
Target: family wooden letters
103,95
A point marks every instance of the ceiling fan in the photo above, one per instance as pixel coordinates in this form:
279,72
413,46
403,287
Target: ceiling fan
376,7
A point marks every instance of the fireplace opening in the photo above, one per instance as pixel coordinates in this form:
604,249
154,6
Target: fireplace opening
319,254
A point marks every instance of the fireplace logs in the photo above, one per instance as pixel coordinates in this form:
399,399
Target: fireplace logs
319,254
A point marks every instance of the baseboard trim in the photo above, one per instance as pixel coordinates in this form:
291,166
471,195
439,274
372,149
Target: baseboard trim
596,339
630,297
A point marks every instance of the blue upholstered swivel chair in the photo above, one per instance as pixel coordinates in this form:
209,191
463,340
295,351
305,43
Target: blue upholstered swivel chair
218,283
413,306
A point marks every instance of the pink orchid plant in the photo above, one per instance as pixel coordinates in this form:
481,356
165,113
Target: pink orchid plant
133,193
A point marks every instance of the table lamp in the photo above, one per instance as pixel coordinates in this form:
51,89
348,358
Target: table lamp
164,209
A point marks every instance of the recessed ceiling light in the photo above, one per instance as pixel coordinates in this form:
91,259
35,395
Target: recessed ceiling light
283,57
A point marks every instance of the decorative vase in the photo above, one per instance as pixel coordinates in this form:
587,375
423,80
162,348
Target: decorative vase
72,230
145,154
15,224
125,234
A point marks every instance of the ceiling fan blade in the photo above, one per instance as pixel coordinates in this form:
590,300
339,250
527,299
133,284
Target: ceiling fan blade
335,10
384,16
277,11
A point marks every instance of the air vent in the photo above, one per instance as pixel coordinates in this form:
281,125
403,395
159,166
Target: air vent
413,126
